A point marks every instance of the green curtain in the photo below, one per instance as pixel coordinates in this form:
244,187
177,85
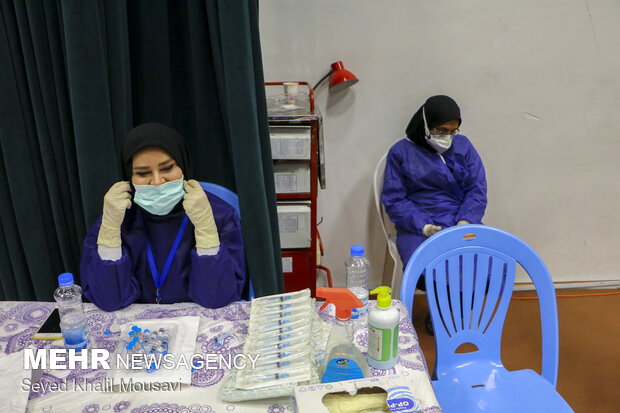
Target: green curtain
77,75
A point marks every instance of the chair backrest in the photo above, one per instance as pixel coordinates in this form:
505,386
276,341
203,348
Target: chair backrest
224,194
232,199
389,231
470,272
377,188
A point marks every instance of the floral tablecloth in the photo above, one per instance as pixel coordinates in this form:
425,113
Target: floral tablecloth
20,320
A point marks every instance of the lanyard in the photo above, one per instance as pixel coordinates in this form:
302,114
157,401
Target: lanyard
159,280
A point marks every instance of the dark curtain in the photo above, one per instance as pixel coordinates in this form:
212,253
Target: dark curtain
77,75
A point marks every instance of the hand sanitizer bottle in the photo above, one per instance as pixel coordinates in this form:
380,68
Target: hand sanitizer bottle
383,331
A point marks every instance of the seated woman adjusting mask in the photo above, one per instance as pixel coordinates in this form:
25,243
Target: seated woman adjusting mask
161,237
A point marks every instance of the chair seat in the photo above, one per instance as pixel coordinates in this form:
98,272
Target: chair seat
502,391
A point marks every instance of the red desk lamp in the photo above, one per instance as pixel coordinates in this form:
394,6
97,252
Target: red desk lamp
340,78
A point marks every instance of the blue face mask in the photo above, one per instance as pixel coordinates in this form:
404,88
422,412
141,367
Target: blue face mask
159,199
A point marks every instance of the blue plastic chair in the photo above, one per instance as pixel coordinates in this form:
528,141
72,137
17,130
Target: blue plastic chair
229,197
224,194
470,273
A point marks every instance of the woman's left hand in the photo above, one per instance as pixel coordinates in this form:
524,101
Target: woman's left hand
198,209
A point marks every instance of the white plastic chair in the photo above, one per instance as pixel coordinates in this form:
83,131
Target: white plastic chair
388,227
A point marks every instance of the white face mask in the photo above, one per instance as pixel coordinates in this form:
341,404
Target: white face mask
440,143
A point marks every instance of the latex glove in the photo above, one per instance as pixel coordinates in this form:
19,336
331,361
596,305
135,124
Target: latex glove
429,230
198,209
463,222
115,202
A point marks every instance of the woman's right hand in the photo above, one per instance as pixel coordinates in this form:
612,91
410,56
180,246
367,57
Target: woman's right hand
429,230
115,202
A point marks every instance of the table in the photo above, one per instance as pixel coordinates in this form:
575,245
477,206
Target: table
19,320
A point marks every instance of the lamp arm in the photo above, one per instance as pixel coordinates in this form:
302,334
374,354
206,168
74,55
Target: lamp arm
322,79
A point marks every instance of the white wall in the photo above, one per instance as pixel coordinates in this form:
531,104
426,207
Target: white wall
538,83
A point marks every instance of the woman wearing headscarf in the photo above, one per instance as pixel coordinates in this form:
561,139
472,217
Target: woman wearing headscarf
434,178
161,238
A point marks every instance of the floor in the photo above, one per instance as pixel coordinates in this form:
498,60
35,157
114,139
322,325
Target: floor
589,365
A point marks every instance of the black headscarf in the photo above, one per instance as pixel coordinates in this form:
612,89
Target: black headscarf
155,134
439,110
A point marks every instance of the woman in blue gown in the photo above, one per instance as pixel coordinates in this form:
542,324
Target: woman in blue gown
161,238
434,178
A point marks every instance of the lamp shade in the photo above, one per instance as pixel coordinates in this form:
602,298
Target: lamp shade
341,78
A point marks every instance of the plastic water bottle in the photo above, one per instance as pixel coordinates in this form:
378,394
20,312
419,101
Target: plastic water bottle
357,281
73,323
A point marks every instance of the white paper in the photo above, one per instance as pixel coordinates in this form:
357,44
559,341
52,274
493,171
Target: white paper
287,264
292,147
288,223
286,182
11,380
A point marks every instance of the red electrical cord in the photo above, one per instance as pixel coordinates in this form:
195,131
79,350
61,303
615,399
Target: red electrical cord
322,267
570,295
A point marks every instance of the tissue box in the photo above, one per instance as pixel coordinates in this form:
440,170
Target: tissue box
401,397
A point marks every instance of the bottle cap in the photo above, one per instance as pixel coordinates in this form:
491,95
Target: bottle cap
65,279
384,299
357,250
342,298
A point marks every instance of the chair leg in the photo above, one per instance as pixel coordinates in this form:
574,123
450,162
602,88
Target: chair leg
388,268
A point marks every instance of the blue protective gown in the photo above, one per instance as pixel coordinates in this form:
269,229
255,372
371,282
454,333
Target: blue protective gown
209,280
419,189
